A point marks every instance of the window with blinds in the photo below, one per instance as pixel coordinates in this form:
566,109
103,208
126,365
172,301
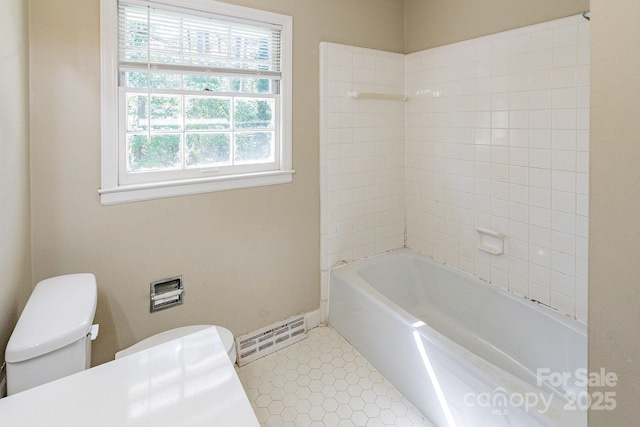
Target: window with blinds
201,94
170,40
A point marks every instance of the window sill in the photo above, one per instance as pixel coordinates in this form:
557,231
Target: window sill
158,190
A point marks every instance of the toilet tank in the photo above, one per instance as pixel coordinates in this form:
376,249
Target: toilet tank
52,338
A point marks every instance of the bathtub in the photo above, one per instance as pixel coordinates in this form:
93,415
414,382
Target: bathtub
462,351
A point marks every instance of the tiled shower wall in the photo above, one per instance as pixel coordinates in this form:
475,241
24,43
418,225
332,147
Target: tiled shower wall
362,156
498,137
494,135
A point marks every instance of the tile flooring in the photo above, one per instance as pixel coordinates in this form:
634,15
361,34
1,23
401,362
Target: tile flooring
322,381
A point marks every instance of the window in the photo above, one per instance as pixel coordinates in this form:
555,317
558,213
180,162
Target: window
196,97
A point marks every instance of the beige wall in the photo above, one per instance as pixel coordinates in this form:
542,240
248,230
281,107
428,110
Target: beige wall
614,280
430,23
15,245
249,257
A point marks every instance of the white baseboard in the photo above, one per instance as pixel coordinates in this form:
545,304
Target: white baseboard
313,319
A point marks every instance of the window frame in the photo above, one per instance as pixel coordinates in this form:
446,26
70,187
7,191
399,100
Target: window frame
113,190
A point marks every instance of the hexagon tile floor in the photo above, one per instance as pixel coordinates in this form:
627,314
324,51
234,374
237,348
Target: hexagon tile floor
322,381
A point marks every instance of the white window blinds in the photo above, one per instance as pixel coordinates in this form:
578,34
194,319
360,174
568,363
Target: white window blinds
164,39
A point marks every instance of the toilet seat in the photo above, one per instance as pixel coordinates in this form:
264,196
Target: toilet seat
225,336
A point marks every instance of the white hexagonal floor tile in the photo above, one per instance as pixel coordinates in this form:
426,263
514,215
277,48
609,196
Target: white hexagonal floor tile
322,380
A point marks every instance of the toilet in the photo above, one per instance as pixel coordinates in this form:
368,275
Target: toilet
52,338
225,336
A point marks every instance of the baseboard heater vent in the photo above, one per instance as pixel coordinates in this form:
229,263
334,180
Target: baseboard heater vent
269,339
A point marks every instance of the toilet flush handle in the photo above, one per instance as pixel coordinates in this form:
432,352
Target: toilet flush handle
93,332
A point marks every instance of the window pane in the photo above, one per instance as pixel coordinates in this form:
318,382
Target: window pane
208,149
136,79
251,85
207,113
165,81
252,113
137,112
212,83
254,147
166,112
162,152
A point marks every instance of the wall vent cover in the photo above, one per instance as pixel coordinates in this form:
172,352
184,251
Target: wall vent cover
269,339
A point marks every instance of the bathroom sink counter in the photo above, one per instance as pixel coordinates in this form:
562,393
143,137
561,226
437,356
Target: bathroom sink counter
184,382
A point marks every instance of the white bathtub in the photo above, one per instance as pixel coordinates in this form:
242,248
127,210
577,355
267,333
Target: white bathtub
464,352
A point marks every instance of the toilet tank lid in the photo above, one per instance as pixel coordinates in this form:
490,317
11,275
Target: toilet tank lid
59,312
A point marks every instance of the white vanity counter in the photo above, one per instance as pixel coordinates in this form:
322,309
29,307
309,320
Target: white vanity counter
185,382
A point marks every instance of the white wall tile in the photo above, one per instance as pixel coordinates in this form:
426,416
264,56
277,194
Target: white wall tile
539,217
563,303
565,36
566,56
495,134
540,158
540,138
541,119
564,77
540,236
541,293
362,190
529,123
564,139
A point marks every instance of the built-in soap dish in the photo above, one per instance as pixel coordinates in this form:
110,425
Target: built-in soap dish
490,241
